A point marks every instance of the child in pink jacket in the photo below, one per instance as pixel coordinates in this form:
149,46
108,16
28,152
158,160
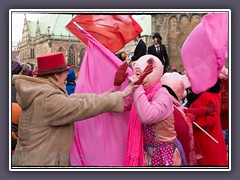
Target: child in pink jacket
151,133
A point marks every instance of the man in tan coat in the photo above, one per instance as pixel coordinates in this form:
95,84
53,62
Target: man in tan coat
46,125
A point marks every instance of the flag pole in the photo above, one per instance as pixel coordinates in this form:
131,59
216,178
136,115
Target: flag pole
205,132
79,27
198,126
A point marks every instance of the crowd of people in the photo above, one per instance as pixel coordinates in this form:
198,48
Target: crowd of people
169,125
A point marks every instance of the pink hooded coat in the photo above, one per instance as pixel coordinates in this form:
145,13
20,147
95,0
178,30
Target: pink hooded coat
151,128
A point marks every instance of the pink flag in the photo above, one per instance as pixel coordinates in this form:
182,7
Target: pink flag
204,52
101,140
113,31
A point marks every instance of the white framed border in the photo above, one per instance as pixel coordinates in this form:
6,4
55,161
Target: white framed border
117,11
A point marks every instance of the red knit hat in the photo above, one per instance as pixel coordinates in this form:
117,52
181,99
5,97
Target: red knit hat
51,63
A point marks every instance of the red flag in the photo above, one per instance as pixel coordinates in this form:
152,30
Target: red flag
113,31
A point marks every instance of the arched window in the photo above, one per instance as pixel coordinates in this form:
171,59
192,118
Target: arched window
60,49
71,55
81,55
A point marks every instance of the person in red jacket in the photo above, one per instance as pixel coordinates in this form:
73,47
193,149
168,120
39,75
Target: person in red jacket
224,103
176,85
214,153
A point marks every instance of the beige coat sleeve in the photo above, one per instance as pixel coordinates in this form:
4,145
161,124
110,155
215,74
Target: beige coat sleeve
60,109
81,95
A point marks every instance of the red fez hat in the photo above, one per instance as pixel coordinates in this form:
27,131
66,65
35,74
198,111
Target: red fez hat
51,63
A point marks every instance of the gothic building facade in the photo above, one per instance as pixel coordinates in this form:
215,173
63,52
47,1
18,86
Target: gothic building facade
49,35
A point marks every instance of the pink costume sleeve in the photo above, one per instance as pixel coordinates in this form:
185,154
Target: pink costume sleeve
151,112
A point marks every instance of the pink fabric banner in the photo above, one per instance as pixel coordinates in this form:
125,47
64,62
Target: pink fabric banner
204,52
101,140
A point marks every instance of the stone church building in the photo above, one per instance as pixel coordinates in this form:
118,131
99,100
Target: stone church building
48,34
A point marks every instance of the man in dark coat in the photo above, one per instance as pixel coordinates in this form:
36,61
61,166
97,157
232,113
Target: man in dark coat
159,50
140,50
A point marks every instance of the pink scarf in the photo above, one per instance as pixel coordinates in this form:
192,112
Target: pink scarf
134,154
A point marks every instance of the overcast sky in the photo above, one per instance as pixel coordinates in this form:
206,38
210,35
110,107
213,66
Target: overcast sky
18,21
